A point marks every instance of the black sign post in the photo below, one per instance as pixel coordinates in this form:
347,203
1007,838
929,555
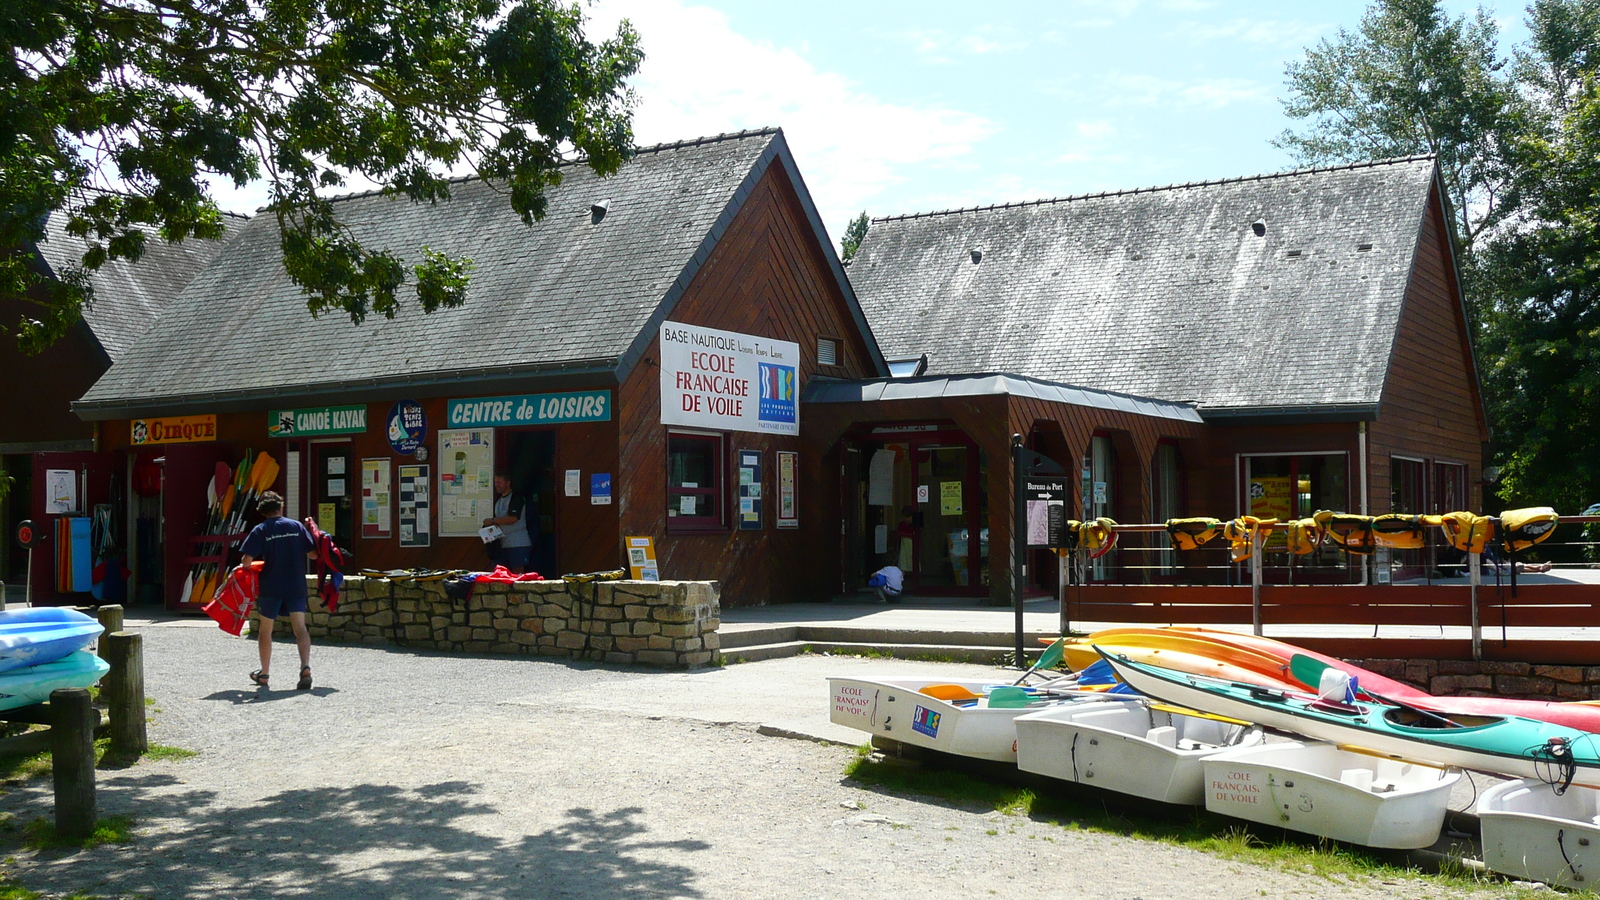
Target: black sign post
29,536
1049,499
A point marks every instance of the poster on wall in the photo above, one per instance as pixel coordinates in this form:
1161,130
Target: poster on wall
750,500
729,381
416,513
1271,497
375,498
407,427
466,480
61,491
788,471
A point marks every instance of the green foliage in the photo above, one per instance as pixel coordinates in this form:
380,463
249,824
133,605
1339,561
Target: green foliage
854,233
304,93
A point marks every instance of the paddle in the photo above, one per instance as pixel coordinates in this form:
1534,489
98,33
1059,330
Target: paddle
1309,671
949,692
1050,658
1185,711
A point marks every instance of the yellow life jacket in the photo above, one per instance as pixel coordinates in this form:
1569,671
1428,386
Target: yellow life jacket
1352,532
1098,537
1241,533
1192,534
1399,531
1467,532
1305,536
1069,537
1522,528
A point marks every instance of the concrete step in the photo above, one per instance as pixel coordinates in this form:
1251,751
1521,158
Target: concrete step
987,655
745,637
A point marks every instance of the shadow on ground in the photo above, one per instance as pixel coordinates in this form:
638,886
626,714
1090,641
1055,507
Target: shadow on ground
367,840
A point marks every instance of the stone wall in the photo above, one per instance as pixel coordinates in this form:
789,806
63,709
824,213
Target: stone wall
1444,677
666,623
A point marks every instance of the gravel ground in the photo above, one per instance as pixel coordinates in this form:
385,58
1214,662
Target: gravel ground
407,774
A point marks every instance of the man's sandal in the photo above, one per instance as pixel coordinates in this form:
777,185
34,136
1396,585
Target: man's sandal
305,680
259,677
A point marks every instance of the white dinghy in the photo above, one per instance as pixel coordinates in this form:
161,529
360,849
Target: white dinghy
1319,788
966,718
1138,748
1530,831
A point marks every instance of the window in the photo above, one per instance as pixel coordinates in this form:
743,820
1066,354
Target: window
694,482
1406,486
1450,488
827,352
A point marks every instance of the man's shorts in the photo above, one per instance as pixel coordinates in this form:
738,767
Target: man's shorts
274,607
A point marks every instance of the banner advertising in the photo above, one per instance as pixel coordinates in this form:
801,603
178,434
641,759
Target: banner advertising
729,381
532,409
174,430
317,421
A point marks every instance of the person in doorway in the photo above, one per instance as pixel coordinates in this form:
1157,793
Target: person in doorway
887,583
283,545
515,548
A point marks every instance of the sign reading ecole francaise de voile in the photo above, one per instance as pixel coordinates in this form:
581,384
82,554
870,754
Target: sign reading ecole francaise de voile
316,421
531,409
729,381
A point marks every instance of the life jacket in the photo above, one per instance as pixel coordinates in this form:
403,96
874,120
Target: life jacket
1349,531
1399,531
1305,536
1241,535
1192,534
1098,537
330,562
1069,537
235,597
1522,528
1467,532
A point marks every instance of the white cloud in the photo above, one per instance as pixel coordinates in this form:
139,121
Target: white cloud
1256,31
700,77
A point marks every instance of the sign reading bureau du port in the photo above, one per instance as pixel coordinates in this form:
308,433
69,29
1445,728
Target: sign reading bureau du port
532,409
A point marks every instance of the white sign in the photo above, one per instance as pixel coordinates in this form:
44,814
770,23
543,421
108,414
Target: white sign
573,484
729,381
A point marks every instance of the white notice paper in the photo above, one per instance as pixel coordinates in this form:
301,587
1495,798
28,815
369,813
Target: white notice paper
880,479
574,482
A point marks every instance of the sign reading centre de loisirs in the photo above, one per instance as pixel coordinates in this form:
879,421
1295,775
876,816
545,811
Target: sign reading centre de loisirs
316,421
729,381
532,409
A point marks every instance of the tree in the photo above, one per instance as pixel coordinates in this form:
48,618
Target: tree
853,235
1411,81
148,96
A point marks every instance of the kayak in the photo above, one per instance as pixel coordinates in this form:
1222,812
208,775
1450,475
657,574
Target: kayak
1169,656
1510,746
39,634
25,687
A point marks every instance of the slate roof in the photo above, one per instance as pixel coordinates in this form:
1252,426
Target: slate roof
570,295
1164,292
820,390
130,296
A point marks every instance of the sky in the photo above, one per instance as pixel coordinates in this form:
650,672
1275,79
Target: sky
901,106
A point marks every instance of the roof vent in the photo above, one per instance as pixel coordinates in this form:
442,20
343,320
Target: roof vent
977,256
597,211
1294,253
1259,226
1363,247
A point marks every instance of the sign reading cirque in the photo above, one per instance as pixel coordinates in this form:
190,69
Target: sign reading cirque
174,430
729,381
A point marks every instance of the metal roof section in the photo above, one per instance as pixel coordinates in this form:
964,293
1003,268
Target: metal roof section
830,390
574,293
1249,292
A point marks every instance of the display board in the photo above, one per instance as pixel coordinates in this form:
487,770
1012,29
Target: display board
642,559
376,502
788,471
416,512
729,381
750,499
466,480
1045,502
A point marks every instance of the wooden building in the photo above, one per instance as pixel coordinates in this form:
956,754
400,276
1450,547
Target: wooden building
699,275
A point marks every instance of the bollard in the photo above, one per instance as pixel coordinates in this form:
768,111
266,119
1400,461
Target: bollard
111,621
72,722
124,692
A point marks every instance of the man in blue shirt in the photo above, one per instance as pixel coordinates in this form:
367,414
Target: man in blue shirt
515,549
283,545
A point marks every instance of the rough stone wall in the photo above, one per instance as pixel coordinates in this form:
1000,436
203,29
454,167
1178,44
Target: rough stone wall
666,623
1443,677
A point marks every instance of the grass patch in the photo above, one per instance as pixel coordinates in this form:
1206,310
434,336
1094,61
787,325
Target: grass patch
1200,830
162,751
41,834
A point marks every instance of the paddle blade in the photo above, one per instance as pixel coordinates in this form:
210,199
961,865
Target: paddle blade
1051,657
1306,670
949,692
188,587
1008,697
227,501
263,472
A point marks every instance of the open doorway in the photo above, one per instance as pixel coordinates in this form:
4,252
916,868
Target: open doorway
528,458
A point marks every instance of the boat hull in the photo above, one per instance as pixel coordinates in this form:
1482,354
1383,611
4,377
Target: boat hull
25,687
1317,788
1127,747
37,635
1531,832
896,708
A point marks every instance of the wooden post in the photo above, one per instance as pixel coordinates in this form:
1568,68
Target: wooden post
111,621
72,760
125,693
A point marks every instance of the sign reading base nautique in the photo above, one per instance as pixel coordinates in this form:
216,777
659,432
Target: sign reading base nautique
729,381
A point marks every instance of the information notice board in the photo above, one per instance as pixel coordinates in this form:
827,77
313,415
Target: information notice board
375,498
416,513
466,480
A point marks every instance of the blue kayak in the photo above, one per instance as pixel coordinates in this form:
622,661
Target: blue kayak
34,635
25,687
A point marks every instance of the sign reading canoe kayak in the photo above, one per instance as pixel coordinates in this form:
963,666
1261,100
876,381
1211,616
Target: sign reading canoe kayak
531,409
174,430
729,381
316,421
